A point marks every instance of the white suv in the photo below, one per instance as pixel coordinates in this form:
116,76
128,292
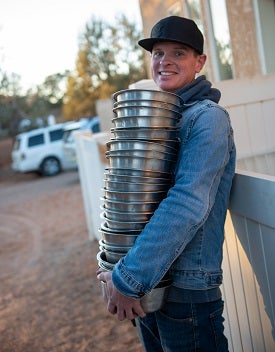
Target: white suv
39,150
91,125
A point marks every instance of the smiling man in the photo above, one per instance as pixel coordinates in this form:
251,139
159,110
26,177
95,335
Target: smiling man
184,237
173,65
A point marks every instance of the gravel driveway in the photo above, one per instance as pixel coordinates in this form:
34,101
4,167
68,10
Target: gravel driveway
49,298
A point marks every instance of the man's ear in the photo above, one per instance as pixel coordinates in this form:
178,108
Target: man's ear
201,62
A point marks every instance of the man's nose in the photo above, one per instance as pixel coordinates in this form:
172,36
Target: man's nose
165,59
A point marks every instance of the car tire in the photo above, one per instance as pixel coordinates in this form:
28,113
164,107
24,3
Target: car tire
50,166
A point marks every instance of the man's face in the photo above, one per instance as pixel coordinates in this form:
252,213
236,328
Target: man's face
174,65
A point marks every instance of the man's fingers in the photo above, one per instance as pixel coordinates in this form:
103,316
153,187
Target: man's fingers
139,310
100,275
118,304
105,292
112,308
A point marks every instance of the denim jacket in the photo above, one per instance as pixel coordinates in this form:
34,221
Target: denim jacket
185,235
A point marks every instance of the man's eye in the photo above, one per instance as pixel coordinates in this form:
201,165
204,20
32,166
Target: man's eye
179,53
157,54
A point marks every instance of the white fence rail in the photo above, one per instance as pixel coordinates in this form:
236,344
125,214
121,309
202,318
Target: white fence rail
91,167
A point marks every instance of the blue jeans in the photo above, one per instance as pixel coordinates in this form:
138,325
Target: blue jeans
184,327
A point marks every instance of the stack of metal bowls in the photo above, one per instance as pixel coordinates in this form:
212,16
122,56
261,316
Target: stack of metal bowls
142,157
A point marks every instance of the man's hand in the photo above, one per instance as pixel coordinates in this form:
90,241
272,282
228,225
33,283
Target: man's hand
124,307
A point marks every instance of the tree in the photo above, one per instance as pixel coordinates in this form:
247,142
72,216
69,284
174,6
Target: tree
54,88
109,59
38,103
224,60
47,98
12,105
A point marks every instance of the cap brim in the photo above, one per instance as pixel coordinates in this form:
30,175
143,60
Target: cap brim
148,43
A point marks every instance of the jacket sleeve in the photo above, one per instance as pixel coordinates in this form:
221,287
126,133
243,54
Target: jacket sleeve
203,156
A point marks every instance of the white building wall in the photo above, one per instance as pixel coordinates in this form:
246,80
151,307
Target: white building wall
251,105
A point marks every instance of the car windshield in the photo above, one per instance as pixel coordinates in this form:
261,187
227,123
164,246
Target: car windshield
16,145
68,136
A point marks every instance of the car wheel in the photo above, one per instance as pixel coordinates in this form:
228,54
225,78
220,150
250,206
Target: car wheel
50,166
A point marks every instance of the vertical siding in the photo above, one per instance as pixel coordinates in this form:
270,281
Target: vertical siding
249,259
251,105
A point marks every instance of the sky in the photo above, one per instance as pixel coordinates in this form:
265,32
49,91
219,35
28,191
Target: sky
40,38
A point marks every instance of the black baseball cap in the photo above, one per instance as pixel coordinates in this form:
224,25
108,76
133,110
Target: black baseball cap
175,29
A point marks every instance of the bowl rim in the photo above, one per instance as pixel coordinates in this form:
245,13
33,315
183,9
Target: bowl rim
152,91
147,117
129,202
118,232
103,216
146,192
154,145
102,207
117,108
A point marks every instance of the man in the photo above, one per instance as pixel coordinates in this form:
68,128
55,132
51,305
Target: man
184,237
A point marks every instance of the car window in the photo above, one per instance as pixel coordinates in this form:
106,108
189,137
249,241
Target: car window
36,140
96,127
68,136
56,135
17,143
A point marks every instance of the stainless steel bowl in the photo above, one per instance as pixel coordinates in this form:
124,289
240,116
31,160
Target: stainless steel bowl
130,207
105,227
139,172
131,144
123,216
136,179
124,111
113,248
155,299
103,263
147,94
141,153
164,135
135,187
125,225
113,257
118,239
134,196
141,163
145,122
148,103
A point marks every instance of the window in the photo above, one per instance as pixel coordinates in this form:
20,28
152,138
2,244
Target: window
265,27
36,140
175,9
17,144
56,135
213,15
193,10
68,136
95,127
221,38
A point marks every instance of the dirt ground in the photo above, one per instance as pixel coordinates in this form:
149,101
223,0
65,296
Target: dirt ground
49,297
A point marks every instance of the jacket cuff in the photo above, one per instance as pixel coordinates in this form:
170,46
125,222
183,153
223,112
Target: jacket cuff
126,284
